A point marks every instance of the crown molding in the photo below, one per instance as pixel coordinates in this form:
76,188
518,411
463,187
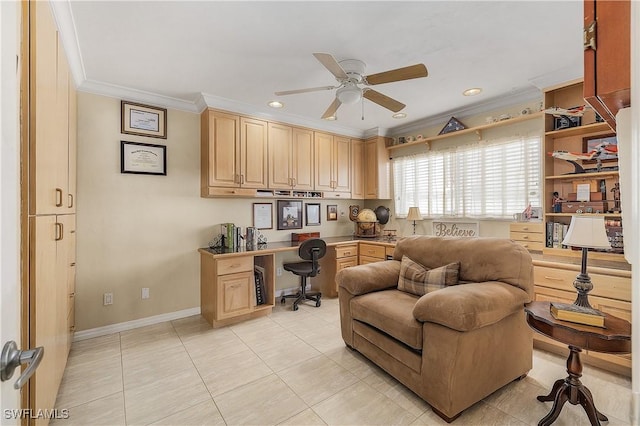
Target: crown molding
521,96
211,101
120,92
67,29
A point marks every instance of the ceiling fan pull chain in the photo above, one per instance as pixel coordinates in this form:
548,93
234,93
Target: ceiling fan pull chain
362,101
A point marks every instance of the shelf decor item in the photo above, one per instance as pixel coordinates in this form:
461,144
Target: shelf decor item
143,158
453,125
585,231
143,120
289,214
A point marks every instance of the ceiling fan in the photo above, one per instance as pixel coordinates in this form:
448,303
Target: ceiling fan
350,75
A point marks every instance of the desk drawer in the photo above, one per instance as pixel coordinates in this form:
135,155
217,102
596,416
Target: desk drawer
531,245
372,250
537,228
346,250
234,264
613,287
346,263
524,236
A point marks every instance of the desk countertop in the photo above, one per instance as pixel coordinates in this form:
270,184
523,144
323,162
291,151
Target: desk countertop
280,246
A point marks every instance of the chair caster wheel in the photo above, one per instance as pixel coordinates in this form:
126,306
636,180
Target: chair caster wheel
318,304
282,300
295,307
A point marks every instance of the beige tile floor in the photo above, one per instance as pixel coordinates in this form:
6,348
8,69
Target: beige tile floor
289,368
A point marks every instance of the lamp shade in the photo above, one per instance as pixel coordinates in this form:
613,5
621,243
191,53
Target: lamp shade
414,214
587,231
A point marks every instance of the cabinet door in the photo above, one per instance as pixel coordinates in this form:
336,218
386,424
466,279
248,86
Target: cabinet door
222,149
235,294
47,157
342,164
357,169
619,309
48,316
607,68
73,144
280,147
253,153
302,159
371,170
323,161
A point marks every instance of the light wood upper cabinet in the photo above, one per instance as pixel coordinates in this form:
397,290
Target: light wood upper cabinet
48,116
376,169
357,169
290,157
302,159
332,163
253,153
73,147
233,151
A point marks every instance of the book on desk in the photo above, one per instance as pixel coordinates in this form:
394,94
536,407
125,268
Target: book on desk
258,273
577,314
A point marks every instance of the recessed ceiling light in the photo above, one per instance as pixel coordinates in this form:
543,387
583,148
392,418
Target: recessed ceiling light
472,92
399,115
275,104
331,118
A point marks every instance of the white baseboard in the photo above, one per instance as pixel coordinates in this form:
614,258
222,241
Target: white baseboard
635,408
130,325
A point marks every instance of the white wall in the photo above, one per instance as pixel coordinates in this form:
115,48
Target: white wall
138,231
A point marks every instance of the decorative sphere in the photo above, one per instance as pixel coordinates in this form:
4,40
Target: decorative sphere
366,219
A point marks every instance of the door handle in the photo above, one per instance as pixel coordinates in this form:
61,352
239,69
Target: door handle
12,358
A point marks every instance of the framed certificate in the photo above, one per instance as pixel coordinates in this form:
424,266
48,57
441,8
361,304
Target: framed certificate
143,158
143,120
263,215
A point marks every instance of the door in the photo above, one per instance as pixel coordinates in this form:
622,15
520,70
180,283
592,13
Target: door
10,300
280,141
302,159
253,153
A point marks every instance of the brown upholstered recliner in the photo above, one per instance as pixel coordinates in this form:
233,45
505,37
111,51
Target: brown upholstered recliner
453,346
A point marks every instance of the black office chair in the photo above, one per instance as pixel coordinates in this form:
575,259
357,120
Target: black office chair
311,251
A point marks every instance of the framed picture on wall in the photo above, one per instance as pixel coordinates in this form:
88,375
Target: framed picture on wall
143,158
332,212
262,215
312,213
289,214
143,120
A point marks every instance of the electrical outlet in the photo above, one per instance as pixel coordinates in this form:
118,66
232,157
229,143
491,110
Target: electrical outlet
107,299
279,272
145,293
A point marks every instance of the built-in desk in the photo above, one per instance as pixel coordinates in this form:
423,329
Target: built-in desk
227,286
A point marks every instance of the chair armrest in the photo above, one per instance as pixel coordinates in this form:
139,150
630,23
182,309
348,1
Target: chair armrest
470,306
363,279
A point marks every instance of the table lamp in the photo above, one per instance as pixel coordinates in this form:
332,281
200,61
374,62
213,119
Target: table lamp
414,214
585,231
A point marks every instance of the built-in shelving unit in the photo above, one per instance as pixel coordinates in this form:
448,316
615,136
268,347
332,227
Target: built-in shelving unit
477,129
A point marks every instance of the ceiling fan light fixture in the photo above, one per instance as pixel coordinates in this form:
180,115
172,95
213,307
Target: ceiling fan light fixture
399,115
349,94
275,104
472,92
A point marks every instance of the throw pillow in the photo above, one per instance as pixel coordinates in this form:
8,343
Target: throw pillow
416,279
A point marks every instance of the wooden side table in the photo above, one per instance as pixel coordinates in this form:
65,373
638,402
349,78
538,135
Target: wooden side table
614,338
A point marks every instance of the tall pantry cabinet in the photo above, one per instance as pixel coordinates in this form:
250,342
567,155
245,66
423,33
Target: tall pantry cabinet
48,104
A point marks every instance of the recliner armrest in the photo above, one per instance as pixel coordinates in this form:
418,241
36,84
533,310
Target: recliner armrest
467,307
371,277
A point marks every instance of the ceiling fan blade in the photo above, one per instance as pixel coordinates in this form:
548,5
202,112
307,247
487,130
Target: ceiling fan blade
331,64
331,111
383,100
311,89
406,73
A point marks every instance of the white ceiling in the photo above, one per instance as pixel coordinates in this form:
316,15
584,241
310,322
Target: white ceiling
235,55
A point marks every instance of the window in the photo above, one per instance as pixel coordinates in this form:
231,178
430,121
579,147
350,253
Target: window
488,179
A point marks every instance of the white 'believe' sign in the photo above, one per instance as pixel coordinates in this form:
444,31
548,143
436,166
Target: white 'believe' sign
455,229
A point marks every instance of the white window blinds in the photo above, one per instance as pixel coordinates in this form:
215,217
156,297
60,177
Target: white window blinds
488,179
